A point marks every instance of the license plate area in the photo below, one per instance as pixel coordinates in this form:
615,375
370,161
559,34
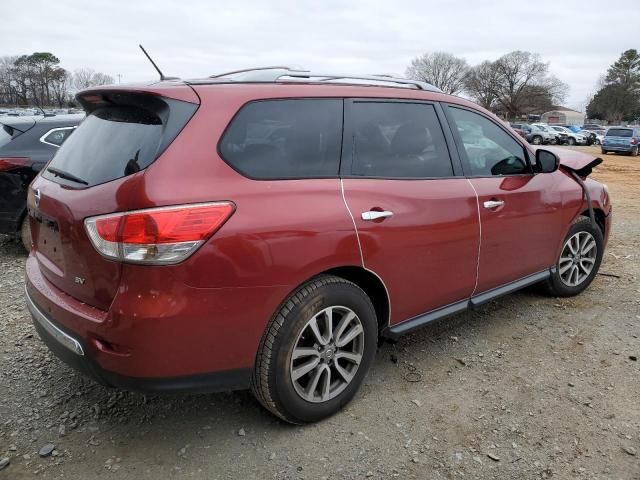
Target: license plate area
48,240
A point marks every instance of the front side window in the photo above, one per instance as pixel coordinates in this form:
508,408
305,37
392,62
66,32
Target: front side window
489,149
398,140
280,139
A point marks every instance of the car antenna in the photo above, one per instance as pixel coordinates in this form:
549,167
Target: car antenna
162,77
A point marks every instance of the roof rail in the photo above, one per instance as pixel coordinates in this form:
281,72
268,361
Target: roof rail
287,74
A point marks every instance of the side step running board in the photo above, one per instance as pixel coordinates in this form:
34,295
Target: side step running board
395,331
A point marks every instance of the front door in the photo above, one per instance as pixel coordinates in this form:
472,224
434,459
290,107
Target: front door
417,221
520,213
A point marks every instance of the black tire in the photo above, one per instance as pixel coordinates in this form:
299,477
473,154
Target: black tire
25,233
536,140
555,285
634,152
272,384
604,152
571,141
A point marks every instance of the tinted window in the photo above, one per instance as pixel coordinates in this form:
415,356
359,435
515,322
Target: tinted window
58,136
110,143
395,139
619,132
489,149
277,139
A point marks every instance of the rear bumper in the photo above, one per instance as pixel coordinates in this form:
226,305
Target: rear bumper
180,338
618,148
71,351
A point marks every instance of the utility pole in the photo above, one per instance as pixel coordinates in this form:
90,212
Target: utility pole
118,77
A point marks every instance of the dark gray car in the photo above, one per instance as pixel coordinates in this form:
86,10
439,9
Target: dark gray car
26,145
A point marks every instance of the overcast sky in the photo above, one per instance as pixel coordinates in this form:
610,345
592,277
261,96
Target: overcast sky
198,38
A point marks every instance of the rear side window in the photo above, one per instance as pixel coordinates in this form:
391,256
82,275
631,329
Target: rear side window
57,136
619,132
284,139
489,149
401,140
123,134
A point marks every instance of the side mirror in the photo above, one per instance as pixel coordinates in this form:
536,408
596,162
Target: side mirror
546,161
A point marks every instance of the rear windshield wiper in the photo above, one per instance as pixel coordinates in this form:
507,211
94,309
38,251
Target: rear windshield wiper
66,175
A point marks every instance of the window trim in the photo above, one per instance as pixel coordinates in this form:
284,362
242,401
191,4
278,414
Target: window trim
281,179
347,145
49,132
463,153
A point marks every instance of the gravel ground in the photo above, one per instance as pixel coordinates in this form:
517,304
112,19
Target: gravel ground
526,387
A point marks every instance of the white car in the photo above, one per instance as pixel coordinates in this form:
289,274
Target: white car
572,138
556,137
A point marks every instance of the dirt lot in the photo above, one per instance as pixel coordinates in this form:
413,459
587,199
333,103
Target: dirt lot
527,387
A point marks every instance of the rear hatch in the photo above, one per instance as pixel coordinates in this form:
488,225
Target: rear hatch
99,170
619,137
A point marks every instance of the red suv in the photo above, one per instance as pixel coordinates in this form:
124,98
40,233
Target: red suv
267,228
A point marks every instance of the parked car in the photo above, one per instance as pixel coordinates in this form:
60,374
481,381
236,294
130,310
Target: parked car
26,145
596,136
593,127
533,134
558,138
265,229
622,140
572,137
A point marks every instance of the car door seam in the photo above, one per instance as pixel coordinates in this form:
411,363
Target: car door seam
355,227
479,236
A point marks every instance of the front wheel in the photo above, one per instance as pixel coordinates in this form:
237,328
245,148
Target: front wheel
572,141
316,351
536,140
579,259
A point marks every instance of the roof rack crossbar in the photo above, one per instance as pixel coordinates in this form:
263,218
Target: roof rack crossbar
283,74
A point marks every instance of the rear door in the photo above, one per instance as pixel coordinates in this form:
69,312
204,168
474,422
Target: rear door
417,221
97,170
520,212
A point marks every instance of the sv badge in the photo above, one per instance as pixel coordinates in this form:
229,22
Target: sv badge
80,280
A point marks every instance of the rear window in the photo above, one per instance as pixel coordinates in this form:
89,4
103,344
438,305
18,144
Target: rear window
619,132
116,140
284,139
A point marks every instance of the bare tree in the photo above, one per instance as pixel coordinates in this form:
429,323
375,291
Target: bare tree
440,69
524,83
482,84
100,78
86,77
82,78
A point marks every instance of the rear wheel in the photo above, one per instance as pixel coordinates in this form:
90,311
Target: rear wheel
25,233
579,259
634,152
316,351
571,141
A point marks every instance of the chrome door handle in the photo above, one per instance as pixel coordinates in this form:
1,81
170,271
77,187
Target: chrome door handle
493,203
375,215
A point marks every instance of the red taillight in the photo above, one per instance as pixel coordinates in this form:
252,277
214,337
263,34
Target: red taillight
11,163
158,235
634,141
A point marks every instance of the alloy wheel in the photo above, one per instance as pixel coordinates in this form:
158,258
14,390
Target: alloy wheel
327,354
577,259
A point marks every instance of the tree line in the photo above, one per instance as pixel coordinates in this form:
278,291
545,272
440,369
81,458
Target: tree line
39,80
618,96
515,84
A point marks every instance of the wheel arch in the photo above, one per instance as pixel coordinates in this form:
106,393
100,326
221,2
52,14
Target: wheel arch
372,285
600,218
